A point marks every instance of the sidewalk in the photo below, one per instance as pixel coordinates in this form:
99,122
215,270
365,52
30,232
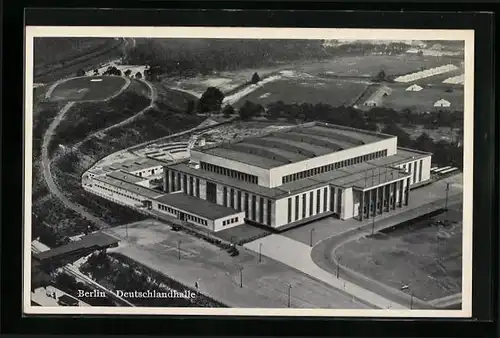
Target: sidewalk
298,256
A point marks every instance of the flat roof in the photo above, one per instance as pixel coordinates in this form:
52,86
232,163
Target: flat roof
403,155
306,140
196,206
129,165
125,176
143,191
99,239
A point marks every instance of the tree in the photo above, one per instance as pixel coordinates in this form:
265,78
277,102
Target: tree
80,72
118,72
228,111
394,130
138,75
381,76
249,110
96,72
425,143
190,107
255,78
128,72
211,100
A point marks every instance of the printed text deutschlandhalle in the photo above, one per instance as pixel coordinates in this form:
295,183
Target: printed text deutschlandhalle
187,294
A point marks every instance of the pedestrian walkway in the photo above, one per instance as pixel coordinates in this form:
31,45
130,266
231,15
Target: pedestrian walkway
298,256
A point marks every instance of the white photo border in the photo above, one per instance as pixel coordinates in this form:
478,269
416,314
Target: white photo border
253,33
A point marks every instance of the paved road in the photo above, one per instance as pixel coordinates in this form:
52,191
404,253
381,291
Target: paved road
322,254
265,281
298,256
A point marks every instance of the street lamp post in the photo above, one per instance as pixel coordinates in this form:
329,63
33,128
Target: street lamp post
126,231
289,295
411,299
447,193
338,266
373,224
241,277
260,252
311,238
179,249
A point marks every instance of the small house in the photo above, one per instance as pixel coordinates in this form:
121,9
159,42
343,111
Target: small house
442,103
414,88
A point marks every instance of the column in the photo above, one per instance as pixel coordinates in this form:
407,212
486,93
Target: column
362,206
384,198
407,194
370,202
166,181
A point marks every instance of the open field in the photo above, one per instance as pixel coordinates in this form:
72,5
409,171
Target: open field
333,92
370,65
423,100
424,254
264,283
87,88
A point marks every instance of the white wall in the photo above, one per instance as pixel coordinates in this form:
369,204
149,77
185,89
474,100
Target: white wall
262,174
415,166
281,206
273,177
148,171
346,211
218,222
276,174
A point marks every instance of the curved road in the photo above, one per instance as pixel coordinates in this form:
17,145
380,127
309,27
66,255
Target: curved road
323,256
47,137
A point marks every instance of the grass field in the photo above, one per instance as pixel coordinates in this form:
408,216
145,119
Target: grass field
423,100
88,88
333,92
370,65
425,255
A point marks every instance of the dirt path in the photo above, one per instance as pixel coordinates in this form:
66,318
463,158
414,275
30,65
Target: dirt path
47,174
152,97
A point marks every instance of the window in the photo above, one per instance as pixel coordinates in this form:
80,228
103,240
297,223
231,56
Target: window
261,210
197,187
296,207
318,201
290,210
239,200
185,184
415,172
325,199
269,211
420,171
231,196
224,196
311,203
191,190
304,205
339,201
254,206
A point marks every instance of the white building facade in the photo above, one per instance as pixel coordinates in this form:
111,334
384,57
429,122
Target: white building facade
310,171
